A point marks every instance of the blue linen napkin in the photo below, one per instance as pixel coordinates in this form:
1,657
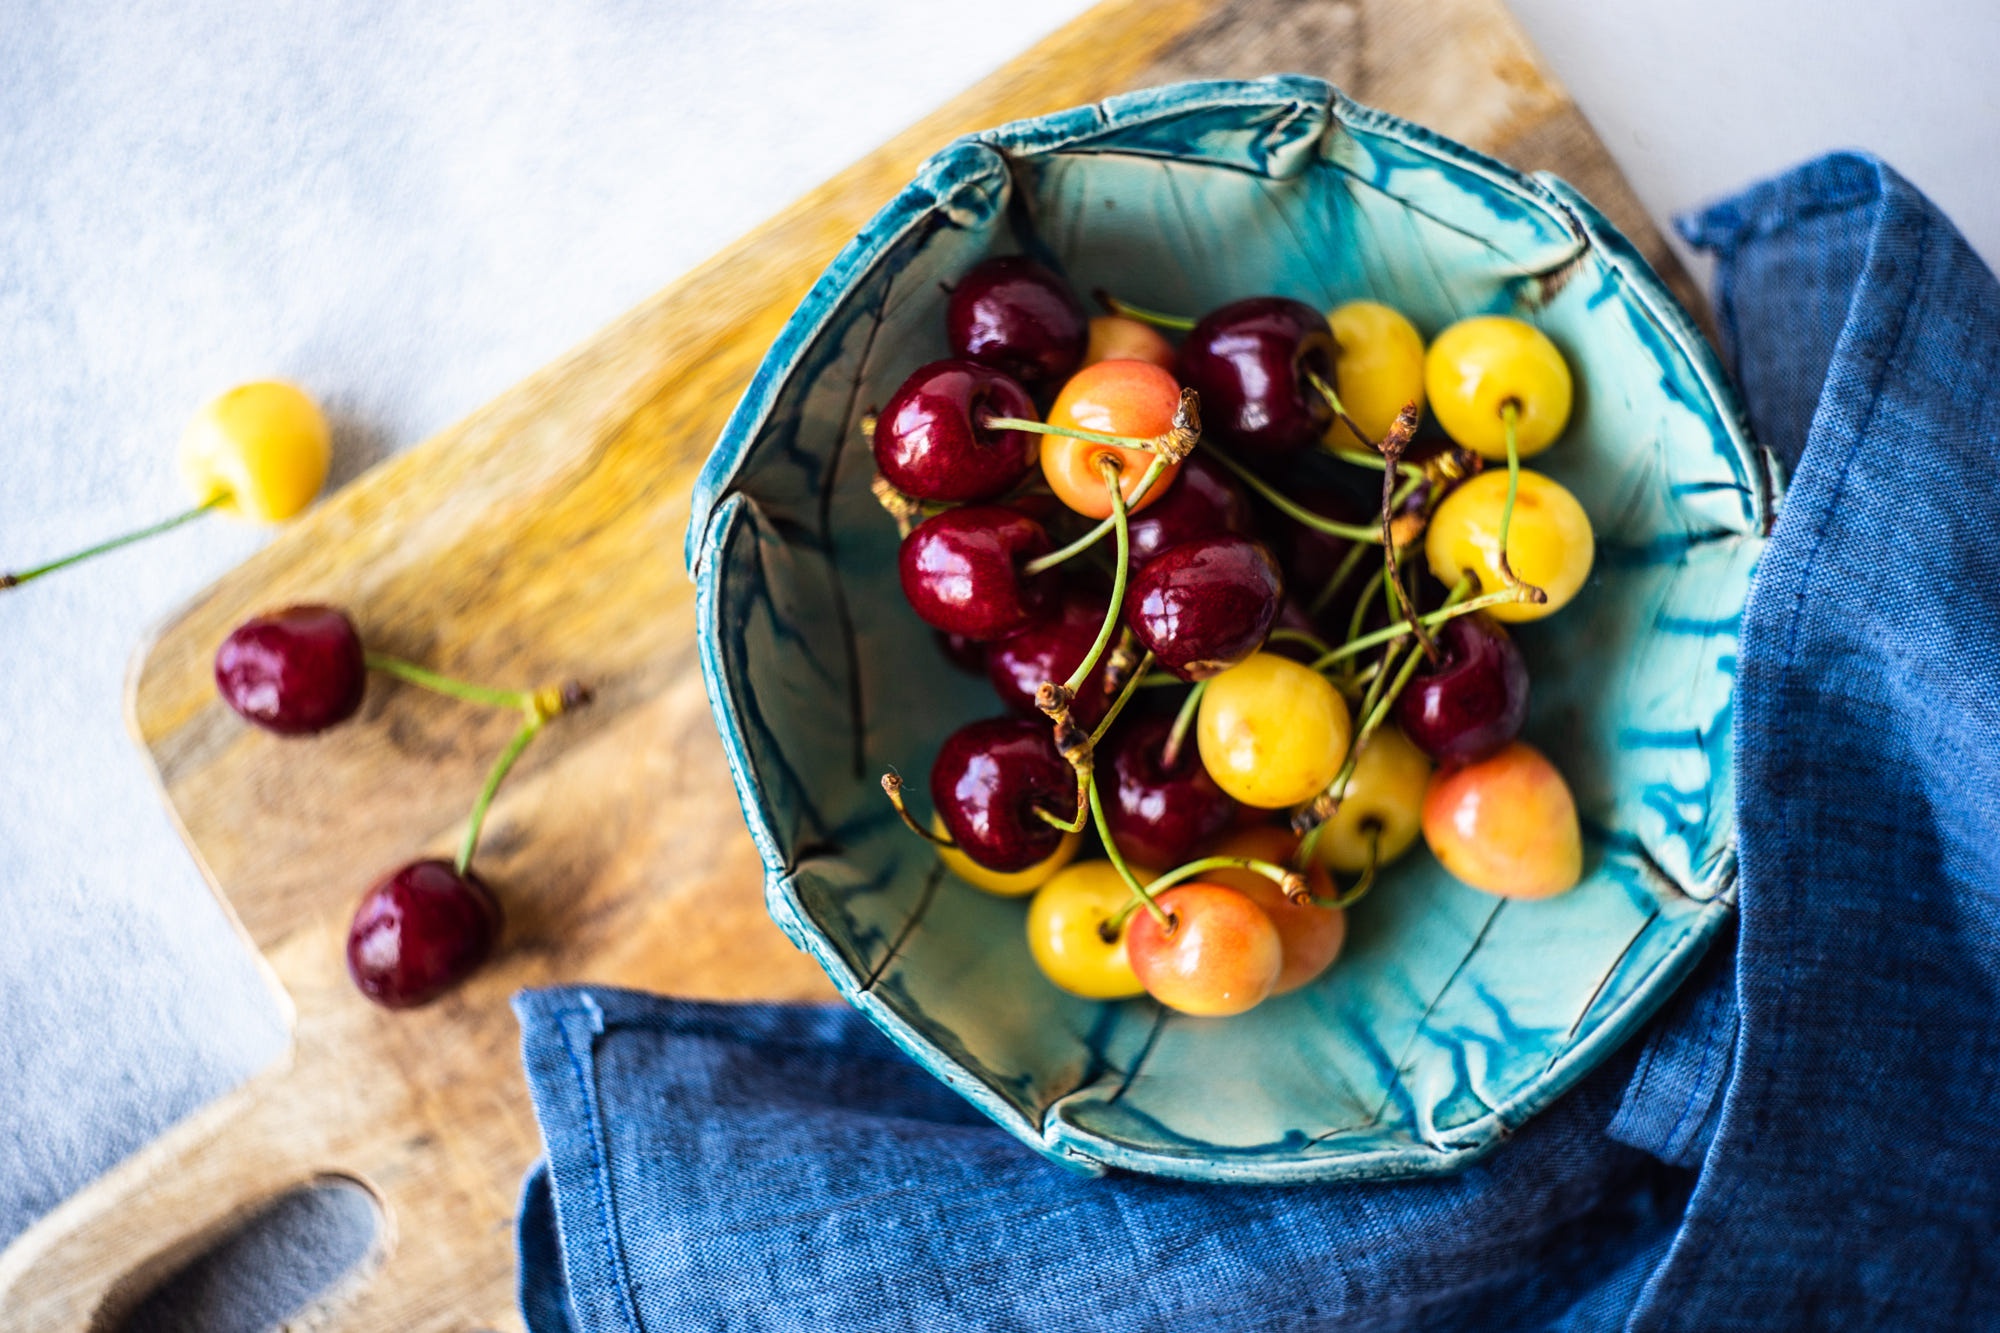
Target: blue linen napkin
1808,1135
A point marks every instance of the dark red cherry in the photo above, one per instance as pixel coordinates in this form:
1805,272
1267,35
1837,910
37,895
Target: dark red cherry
989,779
931,440
1049,650
1016,316
1205,605
1474,701
1202,501
420,932
1248,361
1159,816
961,571
294,672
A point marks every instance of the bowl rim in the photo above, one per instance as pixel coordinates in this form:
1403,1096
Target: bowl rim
715,511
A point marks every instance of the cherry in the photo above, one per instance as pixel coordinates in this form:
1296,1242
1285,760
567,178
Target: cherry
1474,700
1272,732
1250,361
1158,814
1205,605
1135,399
1049,649
1221,955
1066,924
1549,541
961,570
932,443
1202,501
1016,316
1506,825
1012,883
1117,338
988,781
293,672
420,932
1311,935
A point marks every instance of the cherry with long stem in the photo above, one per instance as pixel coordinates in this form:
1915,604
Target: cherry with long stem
20,577
1510,416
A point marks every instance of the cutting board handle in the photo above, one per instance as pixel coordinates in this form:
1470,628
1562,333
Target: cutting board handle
86,1266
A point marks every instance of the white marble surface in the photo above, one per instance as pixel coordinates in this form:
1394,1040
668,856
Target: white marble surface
406,206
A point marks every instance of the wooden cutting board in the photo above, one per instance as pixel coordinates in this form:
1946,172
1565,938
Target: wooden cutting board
540,539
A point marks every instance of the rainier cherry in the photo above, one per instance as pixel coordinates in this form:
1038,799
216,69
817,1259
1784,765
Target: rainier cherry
1004,884
1118,338
420,932
1478,366
293,672
1016,316
1310,935
1253,362
932,441
1382,804
1205,605
1506,825
1378,366
961,571
1272,733
1219,955
1472,701
1549,542
989,780
1067,922
1130,398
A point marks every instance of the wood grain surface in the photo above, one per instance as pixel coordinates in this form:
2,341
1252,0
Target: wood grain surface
540,539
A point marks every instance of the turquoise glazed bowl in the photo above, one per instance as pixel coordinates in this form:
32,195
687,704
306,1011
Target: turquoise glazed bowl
1452,1016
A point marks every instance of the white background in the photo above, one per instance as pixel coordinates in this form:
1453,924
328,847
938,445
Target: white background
408,204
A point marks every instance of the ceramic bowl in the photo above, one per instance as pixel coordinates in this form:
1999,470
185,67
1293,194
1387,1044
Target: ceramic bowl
1452,1016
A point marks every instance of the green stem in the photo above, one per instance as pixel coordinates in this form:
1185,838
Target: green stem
1124,697
1067,432
1298,636
1341,574
1510,413
1351,531
1359,889
524,700
1124,871
1413,471
1122,526
1160,679
1430,621
1043,563
1170,753
1180,323
1364,601
494,778
1277,874
165,525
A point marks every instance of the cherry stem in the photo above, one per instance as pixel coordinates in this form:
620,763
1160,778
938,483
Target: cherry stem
1170,753
494,777
1392,446
892,787
1179,323
1359,889
1353,532
1510,414
1159,679
522,700
1298,636
1143,443
1326,391
1359,458
1121,524
1124,697
15,580
1117,858
1341,574
1450,611
1364,601
1041,564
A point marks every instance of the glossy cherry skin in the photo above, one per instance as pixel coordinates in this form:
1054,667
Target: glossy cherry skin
293,672
989,779
1310,934
1202,502
420,932
1473,701
1016,316
931,441
1158,815
961,571
1049,650
1222,955
1506,825
1249,362
1205,605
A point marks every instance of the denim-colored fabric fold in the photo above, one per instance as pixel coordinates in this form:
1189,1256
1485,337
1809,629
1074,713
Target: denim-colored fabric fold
1803,1138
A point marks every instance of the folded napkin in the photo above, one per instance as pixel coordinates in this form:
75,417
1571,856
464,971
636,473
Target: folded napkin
1809,1134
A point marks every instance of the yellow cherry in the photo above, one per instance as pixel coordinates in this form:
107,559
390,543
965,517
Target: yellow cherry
1549,545
259,451
1066,937
1379,367
1475,367
1271,732
1506,825
1011,884
1384,800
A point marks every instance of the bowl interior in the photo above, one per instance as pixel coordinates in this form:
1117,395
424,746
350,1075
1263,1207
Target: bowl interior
1452,1015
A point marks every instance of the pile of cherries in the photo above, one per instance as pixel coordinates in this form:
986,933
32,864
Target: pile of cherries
423,929
1248,628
